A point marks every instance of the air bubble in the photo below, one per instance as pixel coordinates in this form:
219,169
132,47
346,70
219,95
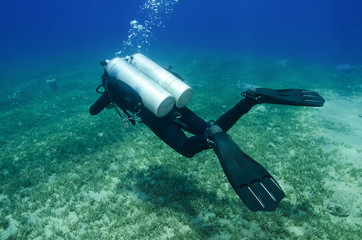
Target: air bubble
154,13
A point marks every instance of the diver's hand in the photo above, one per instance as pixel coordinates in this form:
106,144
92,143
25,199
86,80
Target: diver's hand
100,104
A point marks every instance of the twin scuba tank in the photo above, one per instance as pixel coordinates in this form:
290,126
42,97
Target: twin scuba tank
159,89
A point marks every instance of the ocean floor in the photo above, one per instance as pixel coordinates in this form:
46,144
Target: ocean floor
67,175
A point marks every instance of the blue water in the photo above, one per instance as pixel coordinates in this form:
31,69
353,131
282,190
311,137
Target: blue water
65,174
41,31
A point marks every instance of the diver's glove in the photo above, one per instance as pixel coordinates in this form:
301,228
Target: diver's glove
294,97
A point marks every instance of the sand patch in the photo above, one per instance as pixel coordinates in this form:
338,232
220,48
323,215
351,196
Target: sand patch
343,130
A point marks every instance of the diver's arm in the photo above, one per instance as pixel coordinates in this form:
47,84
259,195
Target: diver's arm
100,104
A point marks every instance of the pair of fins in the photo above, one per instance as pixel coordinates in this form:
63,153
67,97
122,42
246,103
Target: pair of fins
251,181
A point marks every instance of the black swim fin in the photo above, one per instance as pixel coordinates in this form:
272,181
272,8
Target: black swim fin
295,97
253,183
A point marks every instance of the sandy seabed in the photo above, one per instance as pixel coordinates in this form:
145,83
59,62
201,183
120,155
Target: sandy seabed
67,175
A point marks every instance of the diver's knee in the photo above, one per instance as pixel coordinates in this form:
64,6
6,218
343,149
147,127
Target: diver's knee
186,154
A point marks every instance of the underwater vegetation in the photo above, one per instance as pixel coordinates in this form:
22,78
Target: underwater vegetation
67,175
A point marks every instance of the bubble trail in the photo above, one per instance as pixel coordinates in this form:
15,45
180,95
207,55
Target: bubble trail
154,14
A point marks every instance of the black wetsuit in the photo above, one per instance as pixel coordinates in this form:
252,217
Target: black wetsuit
169,128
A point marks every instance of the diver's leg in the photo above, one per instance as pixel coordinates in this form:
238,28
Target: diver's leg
193,145
196,125
296,97
172,135
228,119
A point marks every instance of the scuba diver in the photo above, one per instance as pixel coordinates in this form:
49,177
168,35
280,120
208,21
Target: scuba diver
132,85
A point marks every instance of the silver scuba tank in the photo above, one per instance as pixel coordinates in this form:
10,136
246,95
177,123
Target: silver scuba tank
180,90
154,97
